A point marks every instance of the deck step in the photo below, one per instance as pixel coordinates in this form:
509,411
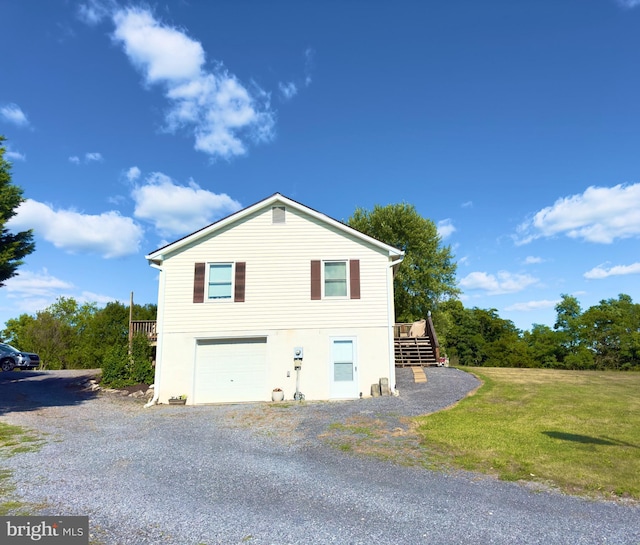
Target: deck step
418,374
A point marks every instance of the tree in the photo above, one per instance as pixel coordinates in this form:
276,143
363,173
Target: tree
612,333
568,312
544,345
13,247
427,276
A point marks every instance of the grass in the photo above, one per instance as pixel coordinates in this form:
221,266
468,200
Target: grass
13,440
371,436
575,430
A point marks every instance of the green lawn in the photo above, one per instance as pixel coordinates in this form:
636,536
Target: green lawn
576,430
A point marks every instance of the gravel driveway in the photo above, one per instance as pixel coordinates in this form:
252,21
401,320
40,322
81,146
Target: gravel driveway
265,474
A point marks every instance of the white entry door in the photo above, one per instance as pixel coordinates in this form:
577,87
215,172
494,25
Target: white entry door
344,368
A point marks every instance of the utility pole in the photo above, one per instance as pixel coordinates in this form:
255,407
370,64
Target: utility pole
130,323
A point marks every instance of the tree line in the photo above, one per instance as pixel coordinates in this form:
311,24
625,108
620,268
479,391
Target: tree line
70,335
605,336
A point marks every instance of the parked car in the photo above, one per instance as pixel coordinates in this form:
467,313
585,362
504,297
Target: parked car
21,360
8,358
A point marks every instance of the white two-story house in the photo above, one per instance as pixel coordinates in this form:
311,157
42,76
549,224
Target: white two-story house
244,301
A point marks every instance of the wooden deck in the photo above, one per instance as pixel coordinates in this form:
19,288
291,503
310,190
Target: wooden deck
146,327
421,350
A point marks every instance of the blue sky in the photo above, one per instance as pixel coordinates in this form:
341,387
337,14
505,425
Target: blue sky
514,126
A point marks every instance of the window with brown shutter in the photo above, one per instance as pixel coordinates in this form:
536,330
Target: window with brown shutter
217,284
336,279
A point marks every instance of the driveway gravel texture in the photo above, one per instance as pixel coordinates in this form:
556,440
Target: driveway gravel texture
263,473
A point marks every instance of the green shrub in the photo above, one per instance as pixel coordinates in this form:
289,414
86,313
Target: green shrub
120,369
116,367
141,368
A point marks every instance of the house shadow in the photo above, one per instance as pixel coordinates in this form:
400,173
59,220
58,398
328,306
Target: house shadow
32,390
586,439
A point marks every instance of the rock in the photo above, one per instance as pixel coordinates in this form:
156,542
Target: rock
137,394
375,390
384,387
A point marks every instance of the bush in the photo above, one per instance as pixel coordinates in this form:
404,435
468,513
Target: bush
119,369
116,368
141,368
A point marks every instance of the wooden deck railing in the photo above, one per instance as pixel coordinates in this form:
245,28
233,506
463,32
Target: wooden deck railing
412,350
147,327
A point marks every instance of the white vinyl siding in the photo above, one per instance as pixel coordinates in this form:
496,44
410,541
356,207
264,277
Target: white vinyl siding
278,278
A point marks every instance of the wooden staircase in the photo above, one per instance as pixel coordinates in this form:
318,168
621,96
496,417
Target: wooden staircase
422,350
414,351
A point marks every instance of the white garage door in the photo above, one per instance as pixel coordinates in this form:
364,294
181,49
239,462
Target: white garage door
231,370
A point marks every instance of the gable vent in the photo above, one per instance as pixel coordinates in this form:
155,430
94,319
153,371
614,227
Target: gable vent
278,214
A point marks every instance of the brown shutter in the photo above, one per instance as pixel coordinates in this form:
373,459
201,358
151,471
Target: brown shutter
316,286
198,283
241,268
354,278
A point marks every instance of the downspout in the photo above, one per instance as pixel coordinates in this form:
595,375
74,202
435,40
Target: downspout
392,316
156,388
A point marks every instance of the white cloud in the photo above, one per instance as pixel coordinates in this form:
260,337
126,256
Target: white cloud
629,3
467,204
160,52
309,54
92,157
94,11
600,272
178,209
288,90
31,292
108,234
502,282
446,228
91,297
532,305
95,156
531,260
34,291
133,174
12,113
30,284
600,214
15,156
213,104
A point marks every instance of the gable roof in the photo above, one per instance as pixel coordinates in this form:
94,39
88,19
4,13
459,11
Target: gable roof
157,257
